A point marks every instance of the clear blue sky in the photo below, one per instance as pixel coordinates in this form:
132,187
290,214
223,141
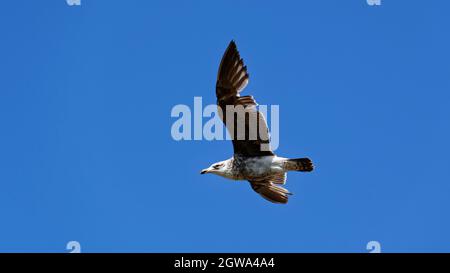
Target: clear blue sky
86,152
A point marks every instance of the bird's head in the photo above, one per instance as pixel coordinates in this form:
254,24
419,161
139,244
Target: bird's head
217,168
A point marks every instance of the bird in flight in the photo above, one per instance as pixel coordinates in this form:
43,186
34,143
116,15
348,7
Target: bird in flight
253,160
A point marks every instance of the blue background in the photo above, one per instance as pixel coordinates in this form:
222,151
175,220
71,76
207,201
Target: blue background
86,152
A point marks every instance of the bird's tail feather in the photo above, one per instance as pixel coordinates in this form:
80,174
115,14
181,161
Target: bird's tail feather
299,164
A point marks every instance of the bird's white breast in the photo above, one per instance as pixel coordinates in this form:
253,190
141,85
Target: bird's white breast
257,167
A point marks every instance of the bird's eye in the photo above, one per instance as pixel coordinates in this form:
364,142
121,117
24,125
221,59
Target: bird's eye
217,166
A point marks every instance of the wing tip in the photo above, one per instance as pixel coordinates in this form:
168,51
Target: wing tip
233,45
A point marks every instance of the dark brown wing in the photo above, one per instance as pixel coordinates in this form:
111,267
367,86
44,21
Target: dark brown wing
270,191
244,122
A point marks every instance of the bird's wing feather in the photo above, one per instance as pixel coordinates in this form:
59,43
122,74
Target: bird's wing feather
278,178
271,192
232,78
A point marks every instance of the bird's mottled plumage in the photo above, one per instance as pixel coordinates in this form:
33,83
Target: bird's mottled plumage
253,159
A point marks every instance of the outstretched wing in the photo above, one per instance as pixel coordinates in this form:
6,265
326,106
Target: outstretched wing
271,192
232,78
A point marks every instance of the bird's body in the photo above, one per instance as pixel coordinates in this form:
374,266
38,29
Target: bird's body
253,160
252,168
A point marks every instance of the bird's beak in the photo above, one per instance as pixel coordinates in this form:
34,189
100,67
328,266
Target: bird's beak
204,171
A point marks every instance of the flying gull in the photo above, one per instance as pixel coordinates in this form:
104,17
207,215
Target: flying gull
253,160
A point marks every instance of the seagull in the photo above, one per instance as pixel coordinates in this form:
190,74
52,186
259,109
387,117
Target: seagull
253,159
